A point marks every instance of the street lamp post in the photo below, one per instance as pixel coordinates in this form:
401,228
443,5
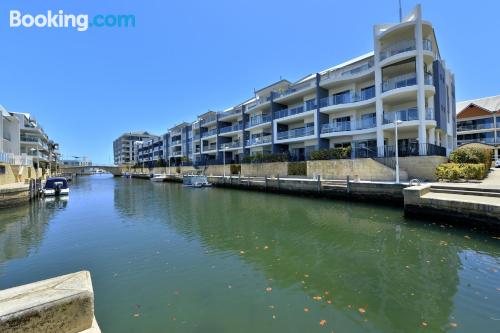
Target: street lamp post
224,160
396,123
37,167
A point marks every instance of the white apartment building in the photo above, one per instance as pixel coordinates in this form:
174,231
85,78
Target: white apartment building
478,121
404,82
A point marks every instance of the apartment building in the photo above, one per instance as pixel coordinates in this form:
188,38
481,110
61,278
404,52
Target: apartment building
403,83
478,121
151,152
123,146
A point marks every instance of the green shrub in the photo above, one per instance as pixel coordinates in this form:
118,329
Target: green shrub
472,155
235,169
297,169
455,171
331,153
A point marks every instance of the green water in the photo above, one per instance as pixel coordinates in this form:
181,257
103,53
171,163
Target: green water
164,258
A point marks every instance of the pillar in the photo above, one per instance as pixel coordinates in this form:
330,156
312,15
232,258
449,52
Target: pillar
422,133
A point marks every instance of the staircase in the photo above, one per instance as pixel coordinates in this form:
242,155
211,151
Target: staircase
390,162
459,190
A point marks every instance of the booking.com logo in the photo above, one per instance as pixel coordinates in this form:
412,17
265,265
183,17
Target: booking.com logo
59,19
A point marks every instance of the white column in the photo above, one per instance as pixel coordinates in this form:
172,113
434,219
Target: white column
422,135
379,106
432,135
438,138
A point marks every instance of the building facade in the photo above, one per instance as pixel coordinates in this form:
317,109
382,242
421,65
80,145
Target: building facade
404,82
123,146
478,121
150,153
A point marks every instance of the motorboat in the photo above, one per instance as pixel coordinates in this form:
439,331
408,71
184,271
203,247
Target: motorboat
195,181
158,177
55,187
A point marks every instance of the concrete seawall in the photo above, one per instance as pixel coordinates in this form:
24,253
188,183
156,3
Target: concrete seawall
63,304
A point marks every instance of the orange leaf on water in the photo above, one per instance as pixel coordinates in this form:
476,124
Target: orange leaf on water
269,289
306,309
362,311
322,322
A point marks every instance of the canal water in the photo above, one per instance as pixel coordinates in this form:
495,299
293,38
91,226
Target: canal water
164,258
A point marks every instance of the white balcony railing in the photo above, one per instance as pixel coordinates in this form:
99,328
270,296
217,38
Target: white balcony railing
403,46
259,140
296,133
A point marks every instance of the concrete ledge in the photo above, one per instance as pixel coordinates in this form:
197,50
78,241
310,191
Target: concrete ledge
63,304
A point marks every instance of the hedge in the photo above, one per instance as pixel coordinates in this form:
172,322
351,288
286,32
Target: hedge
331,154
472,155
266,158
455,171
297,169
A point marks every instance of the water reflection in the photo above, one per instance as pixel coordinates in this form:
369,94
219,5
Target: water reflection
23,228
352,255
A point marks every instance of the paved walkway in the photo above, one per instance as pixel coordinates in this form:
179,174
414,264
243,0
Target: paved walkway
490,182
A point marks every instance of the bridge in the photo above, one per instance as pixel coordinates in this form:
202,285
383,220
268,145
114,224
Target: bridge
116,171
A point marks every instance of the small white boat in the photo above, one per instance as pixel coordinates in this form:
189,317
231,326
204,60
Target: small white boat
158,178
55,186
195,181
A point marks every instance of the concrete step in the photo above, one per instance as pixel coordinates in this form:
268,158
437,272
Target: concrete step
466,192
466,188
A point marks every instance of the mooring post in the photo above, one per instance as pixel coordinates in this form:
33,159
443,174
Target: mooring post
278,178
319,183
265,179
348,185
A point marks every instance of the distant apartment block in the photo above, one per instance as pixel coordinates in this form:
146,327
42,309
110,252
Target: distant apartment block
478,121
355,104
77,162
123,146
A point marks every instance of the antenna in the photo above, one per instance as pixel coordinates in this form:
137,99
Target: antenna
400,12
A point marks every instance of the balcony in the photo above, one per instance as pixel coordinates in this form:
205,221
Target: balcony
257,120
176,142
403,46
347,72
478,140
294,88
210,147
209,133
258,102
259,140
230,145
409,114
296,133
342,126
208,120
177,153
405,80
225,114
474,127
347,98
227,129
289,112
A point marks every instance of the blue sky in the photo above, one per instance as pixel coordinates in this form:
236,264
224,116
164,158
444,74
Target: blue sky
185,57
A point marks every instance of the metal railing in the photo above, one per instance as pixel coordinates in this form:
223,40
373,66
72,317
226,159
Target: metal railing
14,159
209,147
176,142
463,128
294,88
259,140
407,115
209,133
353,125
229,145
289,112
225,114
257,120
296,133
233,128
403,46
405,80
414,149
207,120
478,140
347,98
348,71
258,102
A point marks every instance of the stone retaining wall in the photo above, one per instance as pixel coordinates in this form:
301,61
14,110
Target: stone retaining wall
362,168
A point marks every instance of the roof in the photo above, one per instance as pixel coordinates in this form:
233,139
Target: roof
490,104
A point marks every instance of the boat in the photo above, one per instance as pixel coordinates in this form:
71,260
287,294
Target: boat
158,177
196,181
56,186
